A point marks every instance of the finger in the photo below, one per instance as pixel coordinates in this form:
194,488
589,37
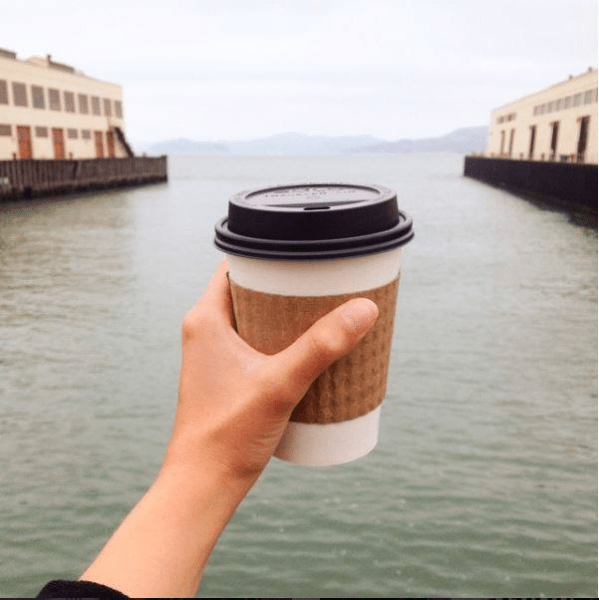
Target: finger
217,296
330,338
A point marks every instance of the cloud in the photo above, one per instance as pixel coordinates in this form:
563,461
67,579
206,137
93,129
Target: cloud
239,68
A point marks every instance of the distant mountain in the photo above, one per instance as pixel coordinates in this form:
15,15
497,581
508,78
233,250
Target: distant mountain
284,143
186,146
469,139
301,144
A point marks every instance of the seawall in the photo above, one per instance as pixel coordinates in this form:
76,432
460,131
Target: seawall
24,179
569,183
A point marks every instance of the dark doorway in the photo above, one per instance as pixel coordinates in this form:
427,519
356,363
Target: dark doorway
531,148
554,134
582,139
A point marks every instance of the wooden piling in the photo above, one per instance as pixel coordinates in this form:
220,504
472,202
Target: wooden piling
31,178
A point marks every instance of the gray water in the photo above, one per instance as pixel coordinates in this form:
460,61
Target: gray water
484,482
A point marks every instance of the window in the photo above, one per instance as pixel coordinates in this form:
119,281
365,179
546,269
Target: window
86,134
95,105
54,99
535,111
83,104
69,101
3,92
37,96
542,111
558,104
72,134
41,132
595,94
107,107
567,102
19,94
550,107
577,99
118,108
588,97
5,130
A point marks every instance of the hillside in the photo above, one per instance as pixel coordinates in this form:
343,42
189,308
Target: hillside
468,139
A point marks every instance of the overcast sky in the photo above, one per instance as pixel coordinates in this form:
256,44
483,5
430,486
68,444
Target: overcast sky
238,69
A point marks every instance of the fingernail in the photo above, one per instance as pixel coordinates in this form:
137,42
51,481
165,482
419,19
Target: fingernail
360,314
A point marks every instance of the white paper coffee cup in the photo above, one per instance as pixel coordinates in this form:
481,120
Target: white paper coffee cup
295,251
315,444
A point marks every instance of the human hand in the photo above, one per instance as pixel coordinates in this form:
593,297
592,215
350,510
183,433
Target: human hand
234,402
234,405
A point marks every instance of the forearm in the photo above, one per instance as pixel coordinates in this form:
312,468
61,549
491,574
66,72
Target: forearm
162,546
234,404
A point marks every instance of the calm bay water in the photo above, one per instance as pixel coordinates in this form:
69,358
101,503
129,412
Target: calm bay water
484,482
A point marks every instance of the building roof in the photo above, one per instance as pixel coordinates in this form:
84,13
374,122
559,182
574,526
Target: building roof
47,63
588,72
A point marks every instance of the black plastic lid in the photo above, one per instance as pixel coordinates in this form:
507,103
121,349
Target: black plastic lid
313,221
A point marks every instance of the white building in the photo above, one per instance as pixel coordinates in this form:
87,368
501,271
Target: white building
558,123
48,110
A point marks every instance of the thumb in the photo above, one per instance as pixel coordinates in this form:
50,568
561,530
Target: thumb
330,338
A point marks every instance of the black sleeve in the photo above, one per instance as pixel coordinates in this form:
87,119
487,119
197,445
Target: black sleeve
79,589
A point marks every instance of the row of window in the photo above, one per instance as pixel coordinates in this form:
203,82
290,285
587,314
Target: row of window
567,102
56,100
42,132
509,117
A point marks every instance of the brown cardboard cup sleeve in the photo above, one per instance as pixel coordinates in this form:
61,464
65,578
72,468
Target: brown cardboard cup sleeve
352,386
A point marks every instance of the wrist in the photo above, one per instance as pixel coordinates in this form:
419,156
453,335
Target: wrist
196,457
194,478
163,545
